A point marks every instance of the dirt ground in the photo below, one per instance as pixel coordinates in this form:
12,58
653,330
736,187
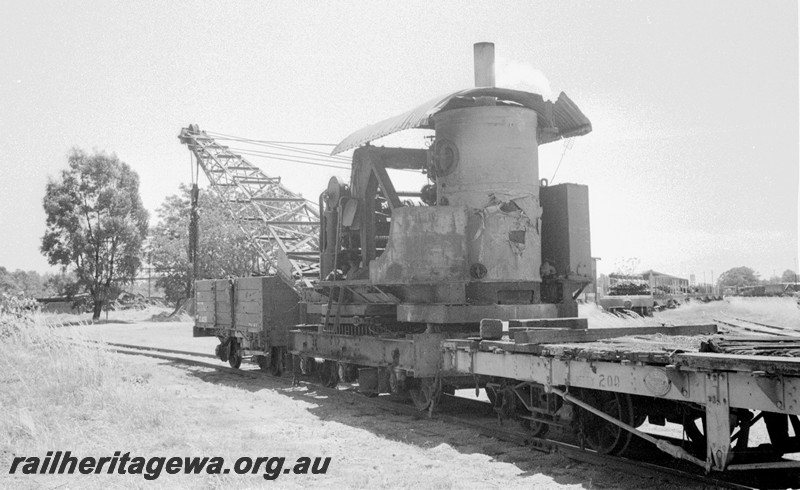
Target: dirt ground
224,414
231,416
204,412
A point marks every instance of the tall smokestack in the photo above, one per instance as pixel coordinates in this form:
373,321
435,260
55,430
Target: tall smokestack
484,64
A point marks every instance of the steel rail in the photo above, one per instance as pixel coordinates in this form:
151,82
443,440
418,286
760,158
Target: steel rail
765,324
761,328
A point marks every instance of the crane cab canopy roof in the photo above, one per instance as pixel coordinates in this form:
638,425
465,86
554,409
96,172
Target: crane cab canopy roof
559,119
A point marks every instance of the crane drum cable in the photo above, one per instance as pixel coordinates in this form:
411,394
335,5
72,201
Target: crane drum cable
568,144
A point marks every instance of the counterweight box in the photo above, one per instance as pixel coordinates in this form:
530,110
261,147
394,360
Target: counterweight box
566,244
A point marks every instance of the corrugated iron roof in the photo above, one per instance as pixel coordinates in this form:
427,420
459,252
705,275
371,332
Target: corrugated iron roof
562,116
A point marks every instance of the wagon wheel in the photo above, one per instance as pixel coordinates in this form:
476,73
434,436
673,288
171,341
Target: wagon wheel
778,429
491,395
536,398
426,393
629,417
397,385
694,428
329,374
536,428
695,435
347,372
235,357
307,365
276,362
601,435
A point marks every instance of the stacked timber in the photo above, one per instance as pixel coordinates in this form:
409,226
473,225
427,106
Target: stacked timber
754,345
491,329
560,336
572,339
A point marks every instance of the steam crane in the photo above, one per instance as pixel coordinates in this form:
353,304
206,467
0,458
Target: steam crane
488,241
394,278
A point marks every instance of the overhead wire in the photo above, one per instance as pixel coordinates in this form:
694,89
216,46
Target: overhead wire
287,158
286,152
288,147
308,152
214,133
302,160
289,154
296,155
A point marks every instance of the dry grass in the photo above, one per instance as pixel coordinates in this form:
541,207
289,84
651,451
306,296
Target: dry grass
60,395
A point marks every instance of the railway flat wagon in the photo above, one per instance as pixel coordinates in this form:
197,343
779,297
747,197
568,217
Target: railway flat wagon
606,383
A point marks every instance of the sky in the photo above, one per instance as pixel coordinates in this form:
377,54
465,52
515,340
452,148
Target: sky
692,164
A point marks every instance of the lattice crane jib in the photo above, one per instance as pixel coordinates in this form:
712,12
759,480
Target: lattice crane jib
282,225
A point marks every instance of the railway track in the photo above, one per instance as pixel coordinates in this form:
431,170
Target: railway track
486,425
744,325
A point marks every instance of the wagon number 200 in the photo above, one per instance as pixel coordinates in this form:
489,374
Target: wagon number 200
609,381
